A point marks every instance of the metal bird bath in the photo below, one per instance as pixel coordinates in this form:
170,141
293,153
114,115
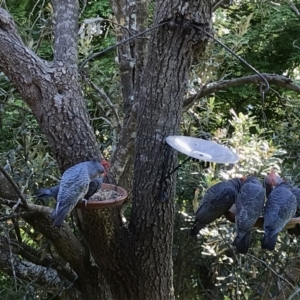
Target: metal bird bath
202,149
194,148
230,215
105,203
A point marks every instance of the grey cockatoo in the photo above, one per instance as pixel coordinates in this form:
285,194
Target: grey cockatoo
271,181
46,193
280,208
74,185
94,187
296,192
249,206
217,200
52,192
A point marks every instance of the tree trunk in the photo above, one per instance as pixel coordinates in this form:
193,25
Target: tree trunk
160,101
115,260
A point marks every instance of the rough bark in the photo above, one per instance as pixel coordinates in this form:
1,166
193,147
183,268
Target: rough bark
132,262
45,277
49,89
66,28
159,111
113,260
6,190
126,52
131,58
109,243
52,91
28,271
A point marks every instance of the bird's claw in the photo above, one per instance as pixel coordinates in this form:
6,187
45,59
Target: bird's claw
85,202
17,204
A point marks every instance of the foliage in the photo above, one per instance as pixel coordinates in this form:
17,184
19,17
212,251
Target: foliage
265,34
208,267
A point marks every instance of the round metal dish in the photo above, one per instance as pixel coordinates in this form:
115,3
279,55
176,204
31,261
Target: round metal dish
202,149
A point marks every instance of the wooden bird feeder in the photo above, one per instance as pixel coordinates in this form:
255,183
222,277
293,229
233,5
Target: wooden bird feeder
115,196
230,215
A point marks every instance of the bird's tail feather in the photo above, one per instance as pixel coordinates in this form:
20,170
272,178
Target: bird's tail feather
269,240
44,194
53,214
60,214
196,228
242,243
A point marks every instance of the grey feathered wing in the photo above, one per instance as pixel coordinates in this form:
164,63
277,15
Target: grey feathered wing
73,187
249,204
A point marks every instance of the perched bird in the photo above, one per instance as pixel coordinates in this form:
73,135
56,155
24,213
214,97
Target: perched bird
296,192
105,164
46,193
94,187
52,192
271,181
217,200
280,208
74,185
249,206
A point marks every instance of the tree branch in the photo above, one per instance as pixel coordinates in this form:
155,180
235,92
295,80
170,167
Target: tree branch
7,202
104,96
278,80
6,190
14,56
124,152
7,26
38,257
272,270
63,239
66,29
31,209
219,3
15,187
293,8
13,216
126,52
46,88
11,264
67,245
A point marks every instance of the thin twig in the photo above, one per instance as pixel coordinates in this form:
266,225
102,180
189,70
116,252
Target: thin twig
204,289
104,119
296,293
119,44
83,9
14,186
293,8
11,256
17,230
14,216
104,96
217,4
238,57
7,202
272,270
16,107
101,20
17,204
278,80
280,289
